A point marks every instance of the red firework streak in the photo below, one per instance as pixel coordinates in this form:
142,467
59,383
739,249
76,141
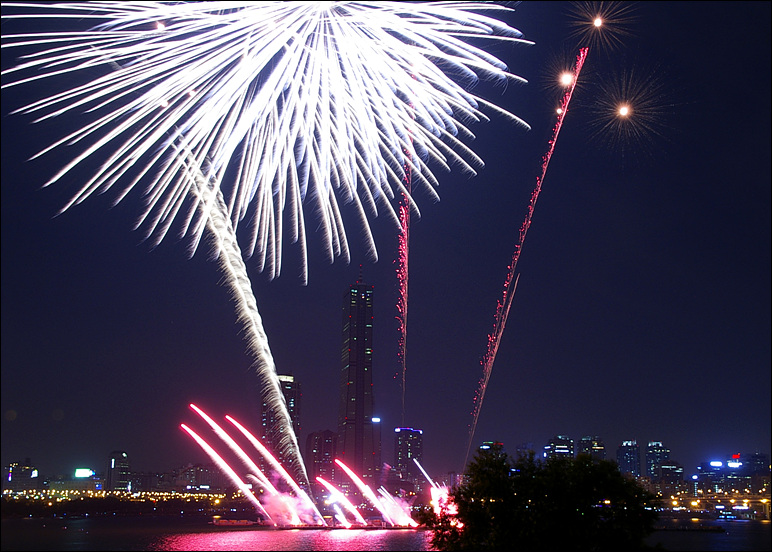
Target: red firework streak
403,250
503,306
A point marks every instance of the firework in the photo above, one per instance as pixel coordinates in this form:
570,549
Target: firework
403,257
227,111
283,102
337,496
601,25
234,269
232,475
294,509
282,508
510,283
366,491
630,111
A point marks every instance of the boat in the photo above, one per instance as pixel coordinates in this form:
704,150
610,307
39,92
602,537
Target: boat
217,520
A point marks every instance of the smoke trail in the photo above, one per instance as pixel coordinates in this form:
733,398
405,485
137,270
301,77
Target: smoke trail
503,306
225,246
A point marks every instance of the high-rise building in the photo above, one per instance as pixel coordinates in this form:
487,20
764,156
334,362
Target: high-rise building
357,446
408,445
560,446
320,454
629,458
656,455
273,433
21,476
593,446
118,476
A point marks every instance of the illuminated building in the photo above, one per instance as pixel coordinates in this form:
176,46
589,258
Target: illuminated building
629,458
200,478
118,477
408,444
357,446
736,473
560,446
656,455
320,454
84,479
21,477
272,433
593,446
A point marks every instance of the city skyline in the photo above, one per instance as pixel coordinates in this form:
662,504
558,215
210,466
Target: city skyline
642,310
638,459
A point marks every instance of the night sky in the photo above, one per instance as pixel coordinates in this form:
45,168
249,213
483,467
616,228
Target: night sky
642,311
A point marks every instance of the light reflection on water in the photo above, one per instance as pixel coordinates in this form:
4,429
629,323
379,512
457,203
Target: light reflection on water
170,533
305,539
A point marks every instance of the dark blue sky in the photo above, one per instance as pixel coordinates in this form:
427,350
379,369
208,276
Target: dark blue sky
642,312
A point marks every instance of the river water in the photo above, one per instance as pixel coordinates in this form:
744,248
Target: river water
184,533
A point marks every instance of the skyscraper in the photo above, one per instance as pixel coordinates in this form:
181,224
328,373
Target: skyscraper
356,436
408,444
118,472
656,455
273,433
593,446
21,477
320,454
629,458
560,446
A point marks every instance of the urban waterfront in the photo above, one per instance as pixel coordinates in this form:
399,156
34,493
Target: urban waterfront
196,533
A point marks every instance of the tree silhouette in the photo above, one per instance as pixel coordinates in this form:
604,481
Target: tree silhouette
577,503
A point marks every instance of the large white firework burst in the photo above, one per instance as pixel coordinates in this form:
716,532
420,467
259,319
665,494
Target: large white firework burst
281,103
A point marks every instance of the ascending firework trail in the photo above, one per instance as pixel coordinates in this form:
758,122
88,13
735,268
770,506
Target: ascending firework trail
503,306
228,252
403,254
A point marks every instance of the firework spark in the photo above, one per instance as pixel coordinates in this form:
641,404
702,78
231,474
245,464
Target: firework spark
510,284
631,110
282,508
403,257
291,101
601,25
337,496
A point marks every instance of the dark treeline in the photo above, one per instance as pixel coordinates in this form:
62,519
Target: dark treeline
567,503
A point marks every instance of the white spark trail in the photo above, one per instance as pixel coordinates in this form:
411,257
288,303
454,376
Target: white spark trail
291,101
231,263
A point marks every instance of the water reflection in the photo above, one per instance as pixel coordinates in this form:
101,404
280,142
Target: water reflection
298,539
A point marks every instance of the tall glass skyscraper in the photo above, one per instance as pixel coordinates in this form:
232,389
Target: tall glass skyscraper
357,446
657,454
629,458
